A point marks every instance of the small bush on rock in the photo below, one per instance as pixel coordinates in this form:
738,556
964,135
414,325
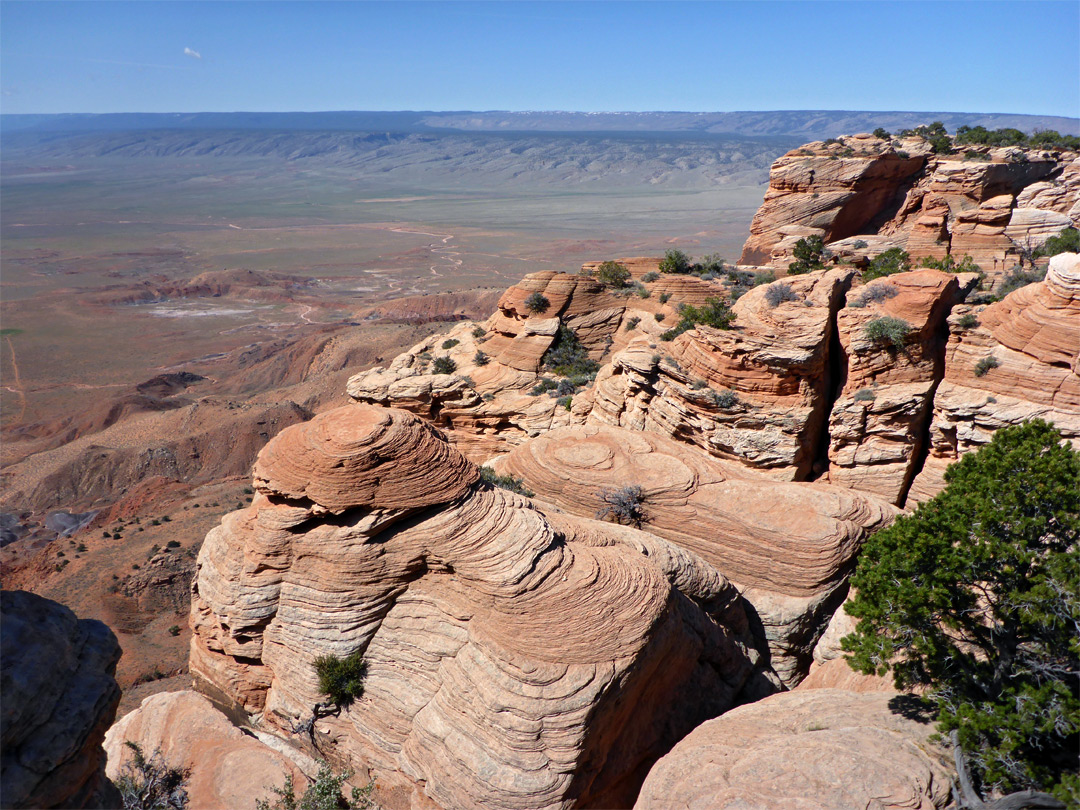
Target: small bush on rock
613,274
623,505
968,321
810,254
675,261
650,277
888,330
778,293
481,358
985,365
876,293
451,343
443,365
322,794
148,783
507,482
632,323
894,260
341,679
537,302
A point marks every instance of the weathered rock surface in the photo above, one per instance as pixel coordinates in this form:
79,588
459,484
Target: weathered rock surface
515,661
990,205
56,675
775,359
878,423
789,546
1033,336
227,768
485,406
817,749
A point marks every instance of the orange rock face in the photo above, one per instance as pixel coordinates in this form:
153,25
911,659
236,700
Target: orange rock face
774,359
878,423
990,205
788,546
1019,362
514,661
817,749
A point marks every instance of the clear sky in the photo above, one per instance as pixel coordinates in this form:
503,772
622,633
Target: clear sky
1016,57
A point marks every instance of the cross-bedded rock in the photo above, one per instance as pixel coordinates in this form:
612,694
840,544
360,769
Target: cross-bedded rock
789,546
514,660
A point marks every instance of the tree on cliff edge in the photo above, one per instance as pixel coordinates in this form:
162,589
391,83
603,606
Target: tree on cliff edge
975,598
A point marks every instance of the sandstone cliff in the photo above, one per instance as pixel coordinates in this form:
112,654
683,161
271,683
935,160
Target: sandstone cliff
990,204
516,660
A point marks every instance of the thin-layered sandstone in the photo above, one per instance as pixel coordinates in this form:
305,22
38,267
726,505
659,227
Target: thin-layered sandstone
1019,361
789,547
774,361
993,205
514,660
879,421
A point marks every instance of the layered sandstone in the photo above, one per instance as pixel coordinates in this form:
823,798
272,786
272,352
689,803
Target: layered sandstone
486,405
990,204
60,696
879,421
818,749
776,361
226,767
514,660
1018,362
789,547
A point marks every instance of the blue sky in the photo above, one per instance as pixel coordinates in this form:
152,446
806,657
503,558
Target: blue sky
1018,57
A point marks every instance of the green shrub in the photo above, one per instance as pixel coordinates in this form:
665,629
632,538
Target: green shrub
968,321
613,274
710,264
887,330
985,365
537,302
659,316
864,395
170,544
1068,241
567,357
507,482
481,358
778,293
764,277
564,401
810,254
642,291
886,263
1018,277
971,601
632,323
443,365
650,277
174,630
451,343
323,794
714,313
478,332
341,679
950,265
665,297
882,133
675,261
